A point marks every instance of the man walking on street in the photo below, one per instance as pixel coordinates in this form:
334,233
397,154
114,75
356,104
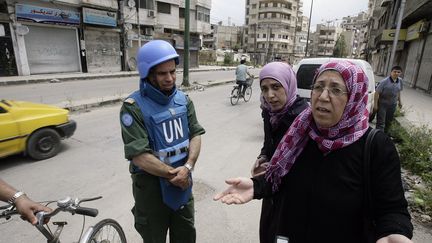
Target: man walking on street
387,96
162,139
241,72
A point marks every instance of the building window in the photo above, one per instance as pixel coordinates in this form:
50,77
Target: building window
146,4
203,14
181,13
254,6
163,8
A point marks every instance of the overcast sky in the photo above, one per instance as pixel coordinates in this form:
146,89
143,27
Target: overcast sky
323,10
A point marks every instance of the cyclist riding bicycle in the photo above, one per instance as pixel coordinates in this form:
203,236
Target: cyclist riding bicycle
241,79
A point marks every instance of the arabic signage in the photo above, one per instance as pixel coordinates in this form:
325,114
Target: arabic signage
389,34
99,17
38,14
414,30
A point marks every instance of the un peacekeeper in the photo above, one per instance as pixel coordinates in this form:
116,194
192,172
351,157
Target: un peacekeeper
162,139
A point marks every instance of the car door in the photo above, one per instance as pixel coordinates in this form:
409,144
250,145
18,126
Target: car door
10,137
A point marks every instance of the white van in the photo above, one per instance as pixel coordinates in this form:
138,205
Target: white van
306,68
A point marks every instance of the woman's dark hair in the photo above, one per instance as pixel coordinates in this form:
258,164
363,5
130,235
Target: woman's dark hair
243,61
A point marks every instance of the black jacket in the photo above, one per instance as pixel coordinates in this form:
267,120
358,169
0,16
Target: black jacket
321,198
272,137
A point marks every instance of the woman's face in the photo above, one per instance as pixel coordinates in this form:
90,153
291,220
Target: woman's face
328,99
273,93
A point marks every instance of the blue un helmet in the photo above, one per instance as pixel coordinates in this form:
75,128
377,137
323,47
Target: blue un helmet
153,53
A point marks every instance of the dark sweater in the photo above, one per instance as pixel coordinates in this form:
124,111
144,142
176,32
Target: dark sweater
321,198
272,137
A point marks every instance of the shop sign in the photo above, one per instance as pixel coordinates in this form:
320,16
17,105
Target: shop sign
99,17
389,34
44,15
413,31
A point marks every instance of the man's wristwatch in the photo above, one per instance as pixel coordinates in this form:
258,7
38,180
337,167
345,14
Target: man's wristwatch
15,197
189,167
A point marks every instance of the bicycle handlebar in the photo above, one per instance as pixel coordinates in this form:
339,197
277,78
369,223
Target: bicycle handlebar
69,205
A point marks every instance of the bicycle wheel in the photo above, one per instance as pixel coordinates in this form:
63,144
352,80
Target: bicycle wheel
235,95
107,231
248,94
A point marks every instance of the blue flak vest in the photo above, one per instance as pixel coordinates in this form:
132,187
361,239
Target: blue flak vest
165,118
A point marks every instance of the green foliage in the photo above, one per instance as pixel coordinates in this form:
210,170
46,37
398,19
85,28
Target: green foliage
340,47
423,200
415,151
228,59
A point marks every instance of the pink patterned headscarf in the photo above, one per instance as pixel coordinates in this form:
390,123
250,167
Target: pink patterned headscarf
284,74
351,127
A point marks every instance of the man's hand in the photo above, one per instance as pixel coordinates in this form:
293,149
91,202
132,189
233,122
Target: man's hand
240,191
181,177
27,209
260,166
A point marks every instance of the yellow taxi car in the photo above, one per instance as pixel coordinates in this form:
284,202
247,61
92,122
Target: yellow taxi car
33,129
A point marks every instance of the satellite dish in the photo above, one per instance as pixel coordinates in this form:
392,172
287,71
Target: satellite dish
131,3
22,30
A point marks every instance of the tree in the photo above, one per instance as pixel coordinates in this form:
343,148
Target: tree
228,59
340,47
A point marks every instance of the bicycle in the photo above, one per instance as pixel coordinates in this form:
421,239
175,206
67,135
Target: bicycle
105,231
236,92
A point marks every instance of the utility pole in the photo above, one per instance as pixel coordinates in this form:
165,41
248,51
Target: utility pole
396,38
186,46
139,24
307,38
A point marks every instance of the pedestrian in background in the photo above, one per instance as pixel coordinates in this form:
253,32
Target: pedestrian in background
25,206
387,97
280,105
241,79
316,173
162,139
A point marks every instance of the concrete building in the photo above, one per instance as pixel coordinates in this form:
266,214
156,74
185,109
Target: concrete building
271,29
224,37
56,36
413,49
355,28
63,35
164,19
325,38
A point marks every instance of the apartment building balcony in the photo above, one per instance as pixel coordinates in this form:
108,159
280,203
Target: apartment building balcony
327,37
276,10
277,21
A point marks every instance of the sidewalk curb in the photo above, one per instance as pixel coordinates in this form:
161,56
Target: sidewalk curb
114,100
87,76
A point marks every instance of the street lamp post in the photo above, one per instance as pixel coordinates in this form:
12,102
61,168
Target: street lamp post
307,38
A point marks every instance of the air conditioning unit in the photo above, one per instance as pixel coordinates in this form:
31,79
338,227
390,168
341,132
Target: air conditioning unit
151,13
148,31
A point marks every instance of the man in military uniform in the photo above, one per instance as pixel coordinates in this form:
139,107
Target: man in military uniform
162,139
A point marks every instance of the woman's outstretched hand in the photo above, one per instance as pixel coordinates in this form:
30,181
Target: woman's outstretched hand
240,191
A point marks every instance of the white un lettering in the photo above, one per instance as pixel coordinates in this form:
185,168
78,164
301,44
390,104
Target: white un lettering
175,128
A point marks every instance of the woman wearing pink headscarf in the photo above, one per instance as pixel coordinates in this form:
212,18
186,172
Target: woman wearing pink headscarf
280,106
316,177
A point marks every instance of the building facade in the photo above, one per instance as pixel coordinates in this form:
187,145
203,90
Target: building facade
355,28
60,36
270,32
224,37
324,39
413,51
164,19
